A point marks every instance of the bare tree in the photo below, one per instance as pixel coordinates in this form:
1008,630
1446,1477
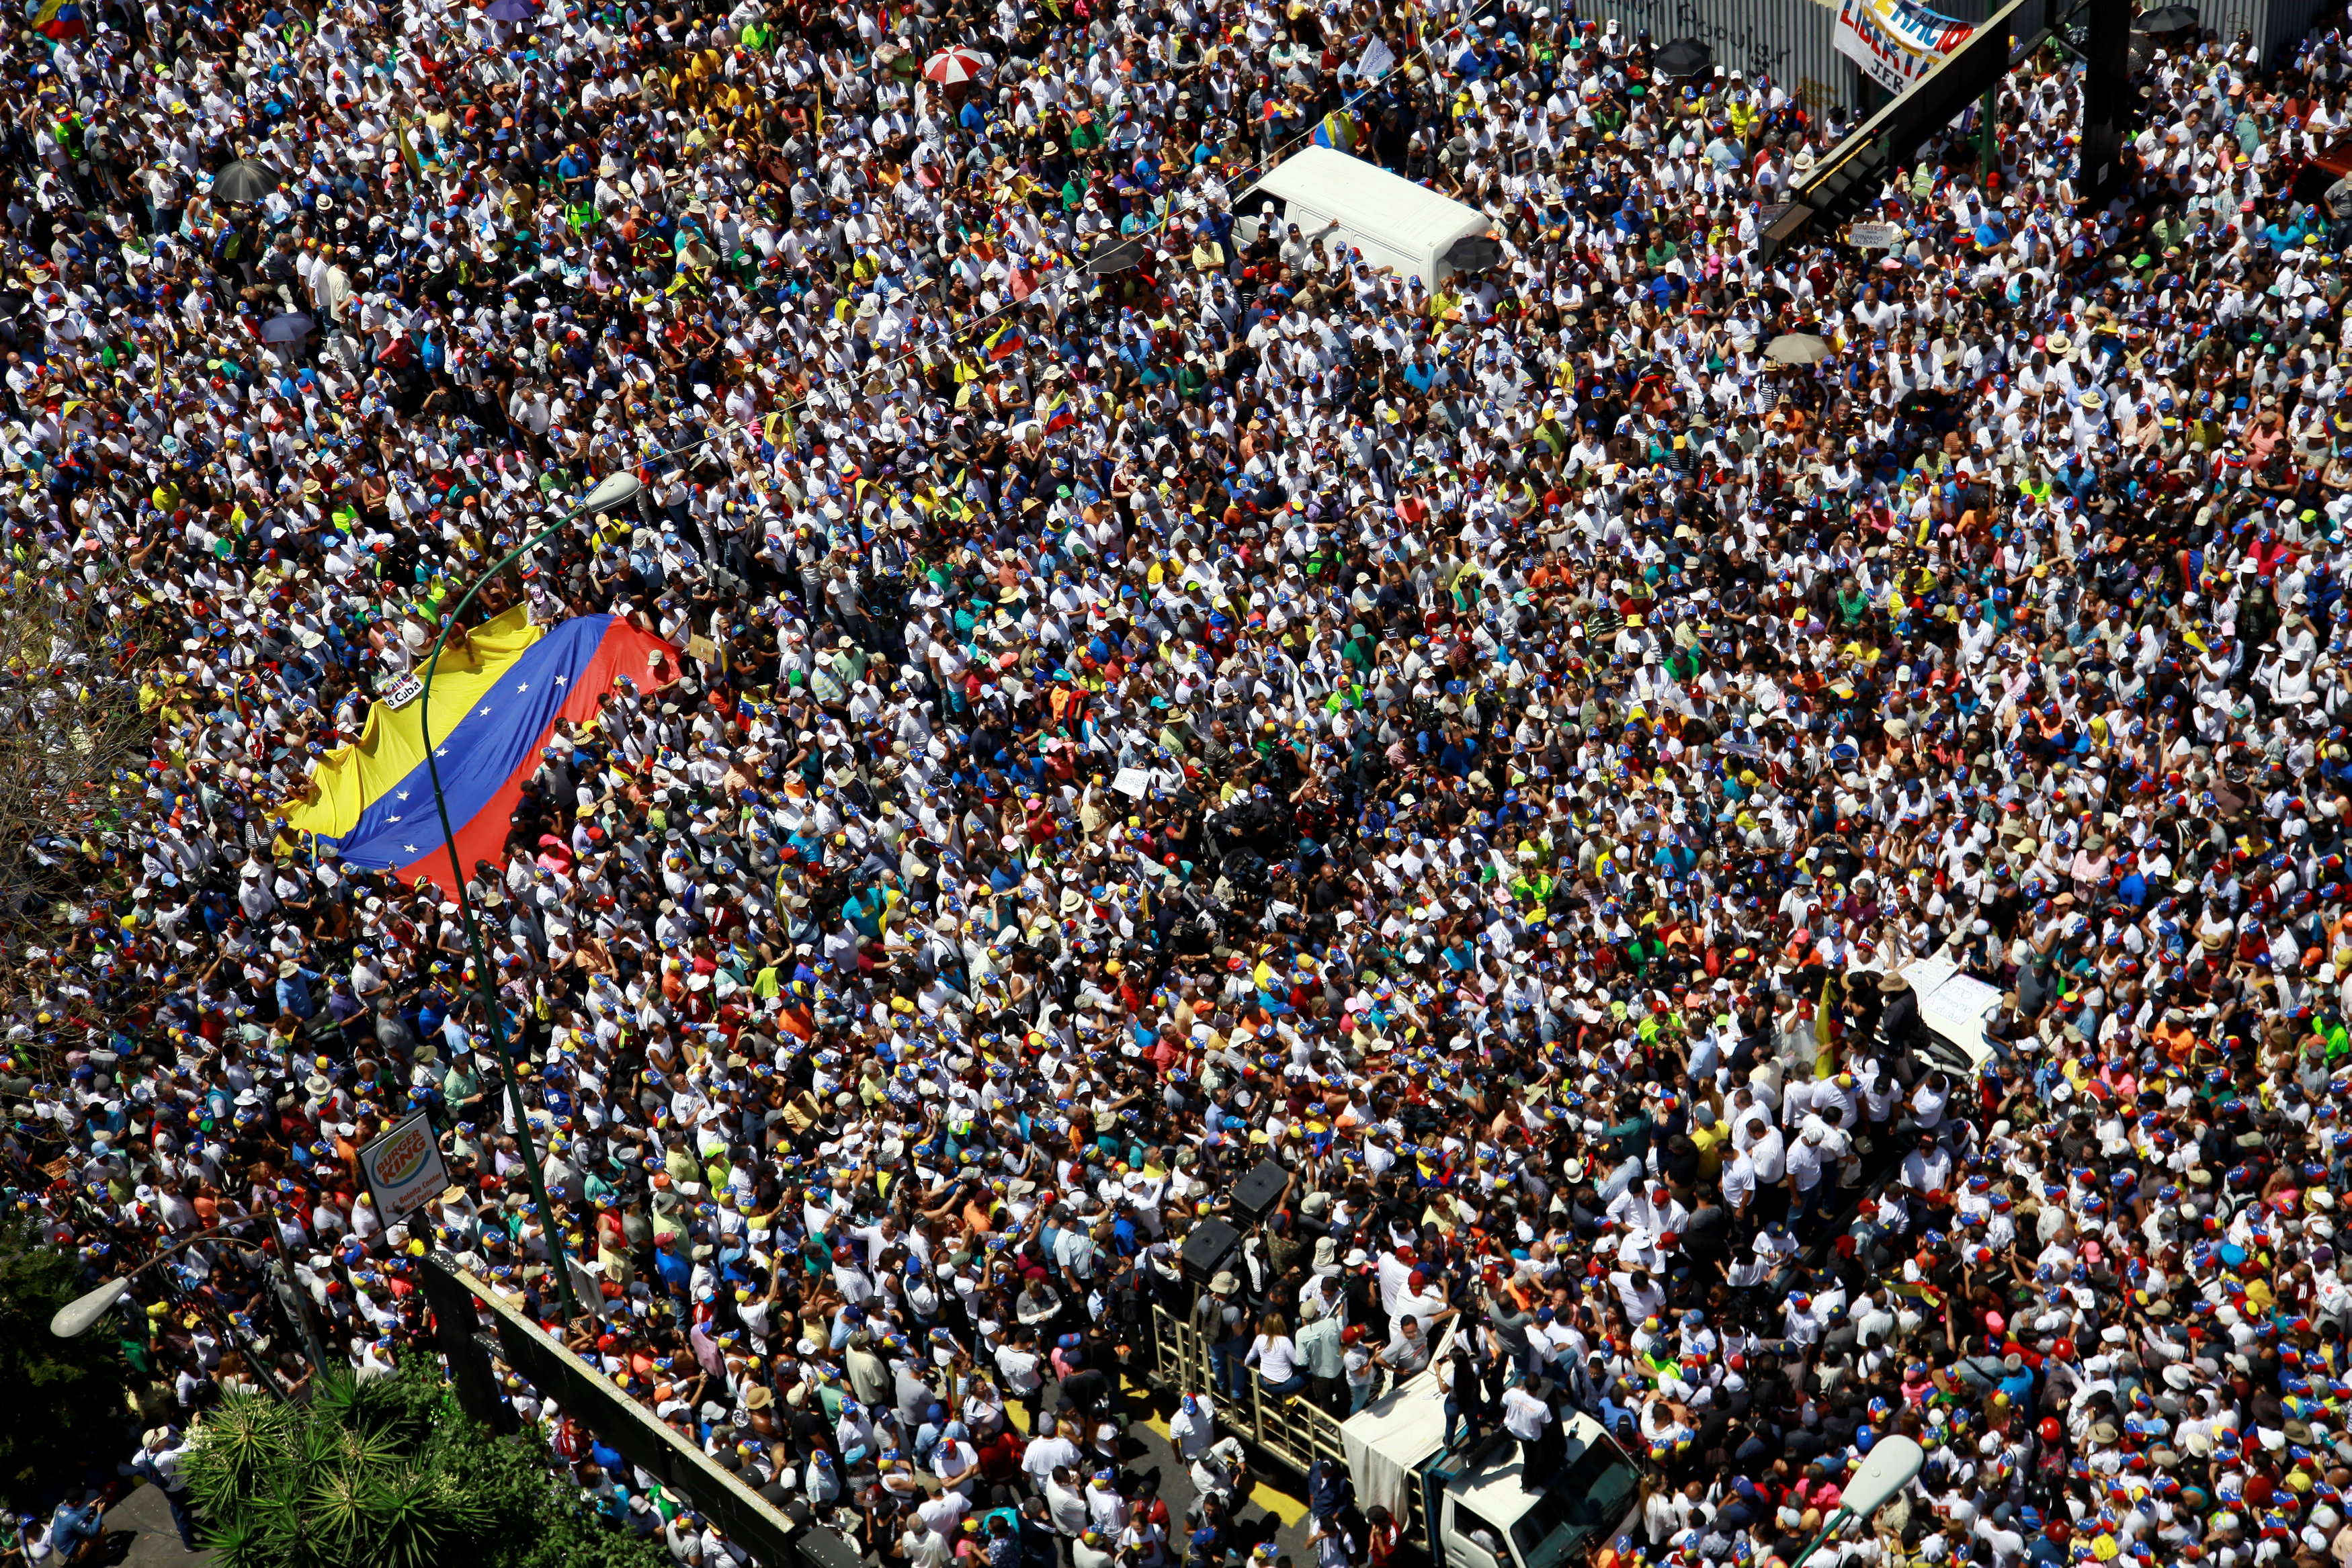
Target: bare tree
72,722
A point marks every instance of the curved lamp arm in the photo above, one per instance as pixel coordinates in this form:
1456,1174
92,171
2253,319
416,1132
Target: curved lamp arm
78,1316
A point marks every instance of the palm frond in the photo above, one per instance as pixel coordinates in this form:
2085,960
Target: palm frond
417,1516
243,1446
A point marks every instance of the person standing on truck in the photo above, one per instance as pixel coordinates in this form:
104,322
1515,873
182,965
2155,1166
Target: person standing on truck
1221,1317
1509,1325
1322,1357
1899,1023
1528,1416
1363,1365
1394,1272
1407,1352
1466,1399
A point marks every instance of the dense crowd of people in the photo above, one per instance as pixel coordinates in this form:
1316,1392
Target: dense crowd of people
1499,746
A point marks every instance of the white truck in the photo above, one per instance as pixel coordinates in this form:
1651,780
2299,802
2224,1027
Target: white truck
1489,1513
1467,1507
1954,1008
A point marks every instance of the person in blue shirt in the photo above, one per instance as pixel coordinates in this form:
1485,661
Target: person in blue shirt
76,1525
572,171
294,998
866,908
1676,861
1460,751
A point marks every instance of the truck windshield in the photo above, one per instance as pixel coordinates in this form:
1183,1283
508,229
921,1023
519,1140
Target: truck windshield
1591,1495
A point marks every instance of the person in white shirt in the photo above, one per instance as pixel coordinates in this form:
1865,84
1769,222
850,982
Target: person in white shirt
956,1462
1049,1450
1192,1428
1066,1502
1527,1418
1022,1370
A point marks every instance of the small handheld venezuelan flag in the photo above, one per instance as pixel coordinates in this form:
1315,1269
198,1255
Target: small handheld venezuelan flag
1007,340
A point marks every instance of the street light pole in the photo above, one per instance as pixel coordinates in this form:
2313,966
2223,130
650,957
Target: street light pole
614,489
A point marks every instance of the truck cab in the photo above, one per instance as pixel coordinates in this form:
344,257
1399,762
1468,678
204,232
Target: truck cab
1489,1517
1473,1506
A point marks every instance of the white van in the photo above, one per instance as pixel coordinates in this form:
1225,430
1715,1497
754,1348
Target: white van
1339,201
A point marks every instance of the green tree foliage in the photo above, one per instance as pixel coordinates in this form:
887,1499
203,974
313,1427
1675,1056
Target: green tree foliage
387,1473
63,1398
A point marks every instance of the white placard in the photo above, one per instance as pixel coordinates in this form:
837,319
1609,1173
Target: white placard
404,1169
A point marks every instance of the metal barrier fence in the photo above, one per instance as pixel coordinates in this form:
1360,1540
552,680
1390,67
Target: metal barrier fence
1293,1432
772,1539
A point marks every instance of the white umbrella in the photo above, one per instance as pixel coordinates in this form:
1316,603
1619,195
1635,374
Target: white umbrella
952,66
1797,348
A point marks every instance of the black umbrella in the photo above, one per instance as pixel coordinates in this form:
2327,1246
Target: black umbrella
1683,57
1116,257
1474,252
243,181
288,329
511,10
2166,19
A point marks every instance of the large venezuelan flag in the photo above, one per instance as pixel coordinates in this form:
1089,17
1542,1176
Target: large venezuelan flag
493,709
59,19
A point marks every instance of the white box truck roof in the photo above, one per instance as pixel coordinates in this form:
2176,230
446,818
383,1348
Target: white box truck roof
1394,222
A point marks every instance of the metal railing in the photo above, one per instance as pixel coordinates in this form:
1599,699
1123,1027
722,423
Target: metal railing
1293,1432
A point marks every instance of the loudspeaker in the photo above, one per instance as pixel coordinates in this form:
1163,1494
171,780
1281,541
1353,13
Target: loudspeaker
1209,1249
1258,1190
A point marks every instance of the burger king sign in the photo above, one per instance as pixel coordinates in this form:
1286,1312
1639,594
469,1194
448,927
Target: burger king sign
403,1168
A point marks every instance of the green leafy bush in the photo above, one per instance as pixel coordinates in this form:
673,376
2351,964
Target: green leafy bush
387,1473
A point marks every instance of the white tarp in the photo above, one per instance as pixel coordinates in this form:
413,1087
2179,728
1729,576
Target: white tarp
1388,1441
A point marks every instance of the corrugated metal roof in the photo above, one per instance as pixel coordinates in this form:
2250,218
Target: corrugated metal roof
1789,40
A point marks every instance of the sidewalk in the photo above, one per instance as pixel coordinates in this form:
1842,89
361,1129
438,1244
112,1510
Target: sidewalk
139,1534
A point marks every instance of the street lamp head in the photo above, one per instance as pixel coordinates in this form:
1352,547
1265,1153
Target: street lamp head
1889,1466
611,491
76,1317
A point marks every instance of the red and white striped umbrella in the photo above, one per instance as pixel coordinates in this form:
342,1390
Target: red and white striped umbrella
951,67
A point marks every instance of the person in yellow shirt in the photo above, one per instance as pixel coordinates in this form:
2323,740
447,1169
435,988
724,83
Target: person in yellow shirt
1709,1136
